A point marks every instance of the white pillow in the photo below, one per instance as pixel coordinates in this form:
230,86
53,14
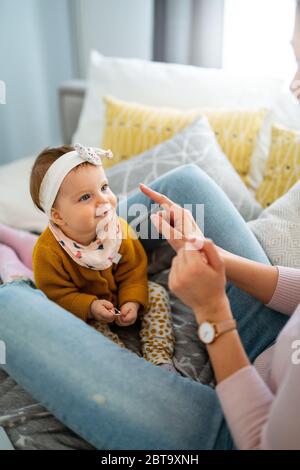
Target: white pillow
278,229
162,84
16,206
285,112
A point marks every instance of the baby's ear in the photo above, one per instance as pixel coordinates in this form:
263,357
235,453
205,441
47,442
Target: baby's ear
56,218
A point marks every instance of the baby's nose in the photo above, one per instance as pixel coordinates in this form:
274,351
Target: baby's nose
101,198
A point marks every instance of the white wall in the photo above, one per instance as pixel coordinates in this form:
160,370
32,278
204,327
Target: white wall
45,42
35,56
122,28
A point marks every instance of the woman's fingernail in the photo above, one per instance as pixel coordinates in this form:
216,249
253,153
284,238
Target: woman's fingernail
195,242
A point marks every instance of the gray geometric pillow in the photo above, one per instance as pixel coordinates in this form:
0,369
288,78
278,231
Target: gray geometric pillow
195,144
278,229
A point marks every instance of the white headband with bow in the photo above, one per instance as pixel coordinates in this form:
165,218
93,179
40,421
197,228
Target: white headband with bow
62,166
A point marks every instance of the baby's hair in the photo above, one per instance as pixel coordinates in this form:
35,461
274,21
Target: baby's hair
43,161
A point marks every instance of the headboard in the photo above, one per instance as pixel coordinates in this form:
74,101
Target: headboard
71,95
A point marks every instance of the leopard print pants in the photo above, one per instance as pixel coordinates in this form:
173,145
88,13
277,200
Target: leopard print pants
156,334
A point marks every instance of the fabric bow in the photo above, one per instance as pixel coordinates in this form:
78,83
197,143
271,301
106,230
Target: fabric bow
91,154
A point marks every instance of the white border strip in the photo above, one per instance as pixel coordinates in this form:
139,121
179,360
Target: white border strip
2,92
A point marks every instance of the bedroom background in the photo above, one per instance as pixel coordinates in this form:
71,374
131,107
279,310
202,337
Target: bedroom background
187,54
44,43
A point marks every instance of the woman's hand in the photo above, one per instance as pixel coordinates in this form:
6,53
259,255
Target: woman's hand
128,315
198,279
176,224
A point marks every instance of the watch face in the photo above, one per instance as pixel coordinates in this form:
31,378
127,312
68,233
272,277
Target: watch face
206,332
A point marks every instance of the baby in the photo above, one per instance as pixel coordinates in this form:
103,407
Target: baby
90,261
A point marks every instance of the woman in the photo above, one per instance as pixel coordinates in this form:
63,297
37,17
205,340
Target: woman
123,402
261,407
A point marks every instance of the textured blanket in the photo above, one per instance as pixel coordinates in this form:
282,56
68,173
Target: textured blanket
30,426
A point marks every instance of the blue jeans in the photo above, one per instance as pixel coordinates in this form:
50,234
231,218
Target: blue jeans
108,395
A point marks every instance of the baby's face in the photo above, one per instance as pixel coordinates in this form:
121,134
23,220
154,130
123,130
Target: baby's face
84,194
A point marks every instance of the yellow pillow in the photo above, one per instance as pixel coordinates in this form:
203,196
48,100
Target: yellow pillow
133,128
283,165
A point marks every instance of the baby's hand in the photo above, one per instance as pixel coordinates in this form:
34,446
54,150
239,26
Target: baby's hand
102,310
128,315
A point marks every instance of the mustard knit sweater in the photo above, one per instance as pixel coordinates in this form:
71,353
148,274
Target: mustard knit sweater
74,287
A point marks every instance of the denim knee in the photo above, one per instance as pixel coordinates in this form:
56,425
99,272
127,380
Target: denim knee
23,284
185,170
186,177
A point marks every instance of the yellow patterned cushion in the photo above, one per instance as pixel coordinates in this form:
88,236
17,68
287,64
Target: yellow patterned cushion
133,128
236,132
283,165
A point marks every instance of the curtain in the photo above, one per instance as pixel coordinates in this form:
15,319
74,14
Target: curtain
189,32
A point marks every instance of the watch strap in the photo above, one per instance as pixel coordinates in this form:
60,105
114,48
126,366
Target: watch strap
224,326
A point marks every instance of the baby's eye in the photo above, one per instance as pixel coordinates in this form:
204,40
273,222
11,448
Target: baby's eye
104,187
84,198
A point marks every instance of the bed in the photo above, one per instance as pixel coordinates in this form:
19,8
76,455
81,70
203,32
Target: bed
26,422
30,426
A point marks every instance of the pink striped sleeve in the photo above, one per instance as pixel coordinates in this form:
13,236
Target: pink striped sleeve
246,421
287,293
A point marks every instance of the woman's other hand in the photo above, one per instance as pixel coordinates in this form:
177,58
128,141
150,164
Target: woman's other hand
198,279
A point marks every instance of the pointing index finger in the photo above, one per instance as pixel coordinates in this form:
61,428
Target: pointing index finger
156,196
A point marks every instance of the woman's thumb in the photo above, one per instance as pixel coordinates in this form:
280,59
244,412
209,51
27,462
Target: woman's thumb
212,255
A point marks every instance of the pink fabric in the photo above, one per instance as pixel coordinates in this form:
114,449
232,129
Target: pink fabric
287,293
11,267
20,241
261,402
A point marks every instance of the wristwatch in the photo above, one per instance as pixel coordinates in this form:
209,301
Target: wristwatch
208,332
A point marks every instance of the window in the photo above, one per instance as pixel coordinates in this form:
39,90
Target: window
257,36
